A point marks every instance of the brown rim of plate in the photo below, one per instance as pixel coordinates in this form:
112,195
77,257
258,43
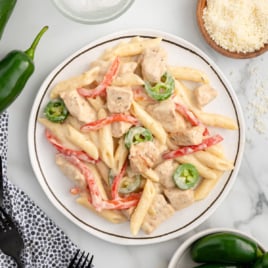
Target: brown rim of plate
201,4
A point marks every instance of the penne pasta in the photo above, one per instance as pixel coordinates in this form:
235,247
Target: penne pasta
82,141
216,120
184,95
140,211
120,155
74,122
96,103
205,187
151,175
75,82
106,142
216,150
92,136
149,122
134,47
128,79
59,131
213,161
187,73
104,171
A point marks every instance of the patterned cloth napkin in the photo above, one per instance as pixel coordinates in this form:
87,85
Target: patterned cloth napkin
46,245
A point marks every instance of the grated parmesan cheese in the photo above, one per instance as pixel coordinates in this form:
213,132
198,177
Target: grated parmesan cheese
259,108
237,25
255,87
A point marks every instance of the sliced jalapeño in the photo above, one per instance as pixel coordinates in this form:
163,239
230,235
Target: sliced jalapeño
162,90
186,176
136,135
56,111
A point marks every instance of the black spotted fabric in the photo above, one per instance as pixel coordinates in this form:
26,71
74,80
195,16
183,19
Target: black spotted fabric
46,245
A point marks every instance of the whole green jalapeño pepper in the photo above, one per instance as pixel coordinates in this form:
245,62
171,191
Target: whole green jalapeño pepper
15,70
225,248
262,262
6,8
216,265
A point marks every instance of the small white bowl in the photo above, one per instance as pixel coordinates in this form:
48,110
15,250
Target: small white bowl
182,258
92,11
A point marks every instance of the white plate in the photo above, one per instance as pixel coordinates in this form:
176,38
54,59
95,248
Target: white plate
182,256
56,186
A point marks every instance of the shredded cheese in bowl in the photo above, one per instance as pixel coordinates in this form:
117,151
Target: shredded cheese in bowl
237,25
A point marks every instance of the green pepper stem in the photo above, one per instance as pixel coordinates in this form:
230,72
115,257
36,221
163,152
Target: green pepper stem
31,50
259,252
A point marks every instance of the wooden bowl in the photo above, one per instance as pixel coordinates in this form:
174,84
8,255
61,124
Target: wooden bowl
201,4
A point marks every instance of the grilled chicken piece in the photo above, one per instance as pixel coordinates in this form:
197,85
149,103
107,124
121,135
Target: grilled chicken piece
78,106
119,99
165,113
165,172
154,64
179,199
205,94
158,212
143,156
190,136
120,128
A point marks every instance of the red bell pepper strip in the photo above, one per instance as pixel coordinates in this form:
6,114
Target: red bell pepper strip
68,152
95,196
122,203
107,80
116,181
189,115
184,150
92,93
186,113
126,202
95,125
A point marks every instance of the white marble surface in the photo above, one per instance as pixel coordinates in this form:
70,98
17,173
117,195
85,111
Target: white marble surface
245,208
